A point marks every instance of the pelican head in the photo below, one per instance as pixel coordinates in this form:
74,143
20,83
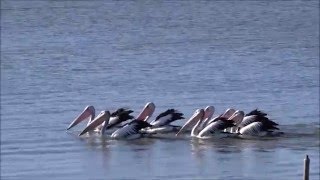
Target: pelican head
147,111
237,117
228,113
208,112
198,115
104,116
86,113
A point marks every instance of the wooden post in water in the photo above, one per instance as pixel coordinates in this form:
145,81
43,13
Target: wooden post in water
306,168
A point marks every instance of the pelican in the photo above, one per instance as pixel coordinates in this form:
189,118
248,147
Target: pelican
227,114
120,115
102,118
258,129
167,117
106,122
194,121
237,117
212,129
162,123
147,111
117,117
256,116
130,130
256,123
88,111
208,113
219,124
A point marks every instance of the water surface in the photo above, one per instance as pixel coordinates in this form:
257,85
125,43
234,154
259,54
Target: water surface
59,56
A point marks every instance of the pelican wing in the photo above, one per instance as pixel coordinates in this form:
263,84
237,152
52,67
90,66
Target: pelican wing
216,126
119,116
130,129
256,112
167,117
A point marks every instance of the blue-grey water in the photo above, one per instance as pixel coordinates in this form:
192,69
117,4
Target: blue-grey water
59,56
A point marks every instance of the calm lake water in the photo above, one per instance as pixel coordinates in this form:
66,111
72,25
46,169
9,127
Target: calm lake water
59,56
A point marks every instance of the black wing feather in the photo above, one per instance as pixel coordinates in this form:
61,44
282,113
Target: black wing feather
257,112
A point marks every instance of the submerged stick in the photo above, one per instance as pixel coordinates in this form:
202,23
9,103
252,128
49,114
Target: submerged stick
306,168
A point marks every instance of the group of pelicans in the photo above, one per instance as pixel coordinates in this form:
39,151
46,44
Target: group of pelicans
202,124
